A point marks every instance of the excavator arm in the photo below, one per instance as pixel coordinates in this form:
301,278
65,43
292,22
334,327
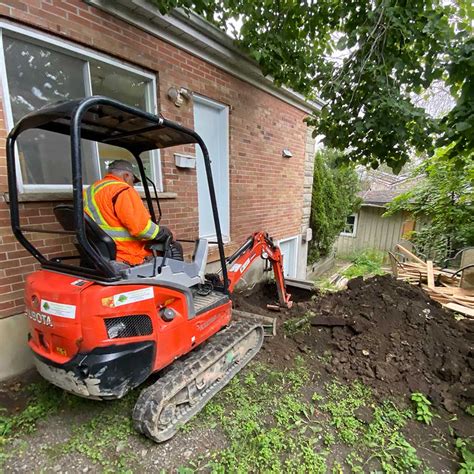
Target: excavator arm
258,245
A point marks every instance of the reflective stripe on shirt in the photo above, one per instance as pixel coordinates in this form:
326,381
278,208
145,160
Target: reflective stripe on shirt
117,233
150,231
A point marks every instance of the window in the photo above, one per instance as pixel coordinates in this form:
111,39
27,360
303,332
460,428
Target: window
350,227
39,71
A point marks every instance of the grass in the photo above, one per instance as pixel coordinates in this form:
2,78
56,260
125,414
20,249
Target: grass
273,425
324,286
44,400
107,430
272,421
110,428
365,263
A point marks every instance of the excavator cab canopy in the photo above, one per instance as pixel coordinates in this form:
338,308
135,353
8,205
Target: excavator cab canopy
104,120
108,121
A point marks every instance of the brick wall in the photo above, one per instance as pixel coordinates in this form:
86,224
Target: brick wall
266,190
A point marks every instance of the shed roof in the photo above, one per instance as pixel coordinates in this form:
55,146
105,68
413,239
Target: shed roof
384,187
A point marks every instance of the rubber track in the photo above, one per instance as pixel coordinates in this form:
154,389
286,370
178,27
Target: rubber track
149,405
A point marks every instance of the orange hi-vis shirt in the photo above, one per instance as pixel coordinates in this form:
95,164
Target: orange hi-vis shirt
118,209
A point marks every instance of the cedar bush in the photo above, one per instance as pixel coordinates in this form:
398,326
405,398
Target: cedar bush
334,197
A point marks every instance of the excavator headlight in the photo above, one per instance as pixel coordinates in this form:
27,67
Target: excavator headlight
167,314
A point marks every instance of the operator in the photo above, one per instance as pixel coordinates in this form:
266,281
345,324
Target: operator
115,205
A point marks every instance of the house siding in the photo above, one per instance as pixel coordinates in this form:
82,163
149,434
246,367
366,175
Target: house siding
373,232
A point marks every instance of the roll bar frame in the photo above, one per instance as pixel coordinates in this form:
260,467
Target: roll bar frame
47,119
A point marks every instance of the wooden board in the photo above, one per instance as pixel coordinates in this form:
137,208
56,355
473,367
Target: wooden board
460,309
410,255
430,274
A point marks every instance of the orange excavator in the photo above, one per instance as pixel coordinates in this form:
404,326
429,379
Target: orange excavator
98,327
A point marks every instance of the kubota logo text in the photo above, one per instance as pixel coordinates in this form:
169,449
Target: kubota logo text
40,318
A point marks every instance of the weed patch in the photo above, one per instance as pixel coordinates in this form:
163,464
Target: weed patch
298,325
378,436
43,400
466,451
366,263
104,438
422,406
268,423
272,425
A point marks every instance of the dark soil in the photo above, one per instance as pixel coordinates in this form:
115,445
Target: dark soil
388,334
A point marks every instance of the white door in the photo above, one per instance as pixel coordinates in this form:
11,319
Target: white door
211,121
289,250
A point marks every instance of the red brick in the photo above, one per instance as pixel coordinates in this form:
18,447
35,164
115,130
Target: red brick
265,190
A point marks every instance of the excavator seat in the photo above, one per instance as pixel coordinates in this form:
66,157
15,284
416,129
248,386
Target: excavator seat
186,274
99,240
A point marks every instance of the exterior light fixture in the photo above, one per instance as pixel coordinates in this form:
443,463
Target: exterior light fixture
178,96
286,153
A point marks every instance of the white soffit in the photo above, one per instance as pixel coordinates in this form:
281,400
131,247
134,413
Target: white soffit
202,39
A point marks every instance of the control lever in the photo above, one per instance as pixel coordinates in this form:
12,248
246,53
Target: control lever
165,253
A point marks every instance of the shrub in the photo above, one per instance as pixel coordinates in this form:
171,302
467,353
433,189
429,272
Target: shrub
334,197
364,263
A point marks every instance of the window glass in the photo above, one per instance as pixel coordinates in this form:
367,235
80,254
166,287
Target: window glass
119,84
130,89
349,227
38,76
109,153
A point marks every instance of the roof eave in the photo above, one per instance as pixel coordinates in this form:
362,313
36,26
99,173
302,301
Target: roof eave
204,40
374,204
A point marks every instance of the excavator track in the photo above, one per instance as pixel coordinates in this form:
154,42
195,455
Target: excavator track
192,381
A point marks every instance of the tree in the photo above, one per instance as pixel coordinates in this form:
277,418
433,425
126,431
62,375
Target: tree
458,124
445,198
366,60
334,197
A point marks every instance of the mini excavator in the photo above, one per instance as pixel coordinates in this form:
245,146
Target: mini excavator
98,327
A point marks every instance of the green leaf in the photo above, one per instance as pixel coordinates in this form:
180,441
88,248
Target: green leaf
461,126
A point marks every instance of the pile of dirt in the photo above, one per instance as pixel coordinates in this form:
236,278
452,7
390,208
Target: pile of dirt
385,332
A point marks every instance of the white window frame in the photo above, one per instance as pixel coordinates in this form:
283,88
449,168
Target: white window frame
354,230
66,47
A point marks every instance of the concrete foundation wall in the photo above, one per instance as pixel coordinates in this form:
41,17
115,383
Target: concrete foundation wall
15,355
